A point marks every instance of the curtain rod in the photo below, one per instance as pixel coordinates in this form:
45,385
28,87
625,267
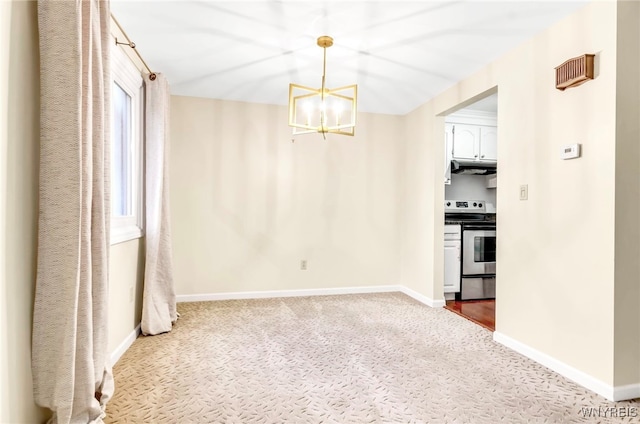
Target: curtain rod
152,75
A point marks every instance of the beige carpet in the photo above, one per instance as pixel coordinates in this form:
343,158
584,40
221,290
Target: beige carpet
375,358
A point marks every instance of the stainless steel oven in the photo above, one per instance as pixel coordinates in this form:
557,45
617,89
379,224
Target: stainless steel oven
478,251
478,261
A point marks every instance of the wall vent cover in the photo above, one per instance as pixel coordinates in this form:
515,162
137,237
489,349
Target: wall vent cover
574,71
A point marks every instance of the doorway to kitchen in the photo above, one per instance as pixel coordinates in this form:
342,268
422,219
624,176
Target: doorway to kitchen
470,238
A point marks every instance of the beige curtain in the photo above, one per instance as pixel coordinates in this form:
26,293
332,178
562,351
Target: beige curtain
71,373
159,299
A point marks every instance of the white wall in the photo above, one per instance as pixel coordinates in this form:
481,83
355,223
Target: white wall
126,277
422,260
19,146
565,229
5,26
248,204
627,198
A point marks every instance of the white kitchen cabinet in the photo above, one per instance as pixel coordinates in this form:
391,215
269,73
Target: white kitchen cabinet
474,143
488,143
452,250
465,141
452,266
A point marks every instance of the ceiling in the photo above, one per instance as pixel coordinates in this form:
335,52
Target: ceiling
401,54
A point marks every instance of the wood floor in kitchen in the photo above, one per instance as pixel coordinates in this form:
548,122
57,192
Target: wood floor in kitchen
482,312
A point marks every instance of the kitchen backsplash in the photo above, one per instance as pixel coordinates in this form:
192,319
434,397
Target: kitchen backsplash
470,187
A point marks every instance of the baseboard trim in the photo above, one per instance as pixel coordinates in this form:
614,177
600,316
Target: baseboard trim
310,292
421,298
284,293
612,393
126,344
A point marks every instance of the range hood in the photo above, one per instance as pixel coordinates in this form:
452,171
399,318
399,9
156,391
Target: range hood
468,168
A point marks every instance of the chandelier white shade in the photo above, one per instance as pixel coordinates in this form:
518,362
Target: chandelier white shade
323,110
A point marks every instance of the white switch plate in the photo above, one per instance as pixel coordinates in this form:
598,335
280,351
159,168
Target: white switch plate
524,191
570,151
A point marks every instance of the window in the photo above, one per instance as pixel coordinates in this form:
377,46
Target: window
126,157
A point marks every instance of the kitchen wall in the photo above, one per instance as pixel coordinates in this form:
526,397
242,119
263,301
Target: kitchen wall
558,272
470,187
248,204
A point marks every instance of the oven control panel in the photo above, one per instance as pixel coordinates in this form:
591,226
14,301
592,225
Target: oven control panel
471,206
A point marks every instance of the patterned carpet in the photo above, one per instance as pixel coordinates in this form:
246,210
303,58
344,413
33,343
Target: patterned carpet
375,358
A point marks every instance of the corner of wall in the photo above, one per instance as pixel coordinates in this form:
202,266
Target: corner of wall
19,153
5,24
627,198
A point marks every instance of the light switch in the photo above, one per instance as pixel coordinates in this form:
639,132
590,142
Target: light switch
524,191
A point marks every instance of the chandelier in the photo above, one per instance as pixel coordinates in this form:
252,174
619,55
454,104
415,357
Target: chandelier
323,110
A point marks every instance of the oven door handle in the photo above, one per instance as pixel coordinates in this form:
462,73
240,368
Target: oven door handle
479,227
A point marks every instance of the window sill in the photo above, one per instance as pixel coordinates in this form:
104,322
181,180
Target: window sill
122,234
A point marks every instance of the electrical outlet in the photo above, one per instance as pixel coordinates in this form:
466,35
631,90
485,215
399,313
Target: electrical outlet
303,264
131,294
